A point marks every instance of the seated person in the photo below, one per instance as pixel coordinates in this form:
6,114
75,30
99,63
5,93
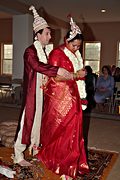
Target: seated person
113,68
104,85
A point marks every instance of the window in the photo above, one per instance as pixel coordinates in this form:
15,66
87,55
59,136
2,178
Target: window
118,57
7,58
92,55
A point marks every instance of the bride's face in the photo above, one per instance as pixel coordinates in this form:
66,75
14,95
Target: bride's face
74,45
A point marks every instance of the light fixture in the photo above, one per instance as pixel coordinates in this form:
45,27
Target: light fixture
103,10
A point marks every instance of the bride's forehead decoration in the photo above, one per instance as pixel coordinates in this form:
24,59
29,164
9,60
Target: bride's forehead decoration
74,29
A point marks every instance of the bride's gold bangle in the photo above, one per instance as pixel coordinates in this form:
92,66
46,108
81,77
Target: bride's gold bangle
74,76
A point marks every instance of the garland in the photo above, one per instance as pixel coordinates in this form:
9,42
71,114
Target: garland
77,63
40,52
42,57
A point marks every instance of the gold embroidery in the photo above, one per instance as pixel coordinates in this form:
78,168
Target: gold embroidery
62,99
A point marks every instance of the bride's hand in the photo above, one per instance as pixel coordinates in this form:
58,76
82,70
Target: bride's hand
59,78
81,73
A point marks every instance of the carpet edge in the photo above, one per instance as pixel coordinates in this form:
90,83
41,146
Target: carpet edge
110,165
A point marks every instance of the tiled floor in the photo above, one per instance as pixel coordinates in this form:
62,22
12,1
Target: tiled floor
104,133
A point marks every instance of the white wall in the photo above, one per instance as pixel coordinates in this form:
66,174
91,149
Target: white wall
22,38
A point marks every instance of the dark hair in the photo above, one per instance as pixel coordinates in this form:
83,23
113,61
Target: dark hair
88,69
108,69
78,36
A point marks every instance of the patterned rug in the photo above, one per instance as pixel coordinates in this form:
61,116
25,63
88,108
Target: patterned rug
100,163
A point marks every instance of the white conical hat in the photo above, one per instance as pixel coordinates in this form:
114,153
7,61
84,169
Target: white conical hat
74,29
39,22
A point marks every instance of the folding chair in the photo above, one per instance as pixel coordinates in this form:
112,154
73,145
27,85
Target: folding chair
116,101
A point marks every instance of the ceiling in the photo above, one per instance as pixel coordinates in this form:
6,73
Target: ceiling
88,10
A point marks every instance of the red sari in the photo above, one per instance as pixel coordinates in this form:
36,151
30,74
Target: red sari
61,130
